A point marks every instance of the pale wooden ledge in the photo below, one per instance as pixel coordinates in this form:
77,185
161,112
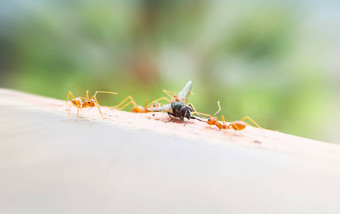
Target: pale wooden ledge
137,163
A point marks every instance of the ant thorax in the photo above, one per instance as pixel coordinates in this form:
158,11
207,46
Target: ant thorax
77,102
89,103
211,121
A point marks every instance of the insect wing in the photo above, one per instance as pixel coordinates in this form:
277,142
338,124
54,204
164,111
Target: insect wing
166,107
184,94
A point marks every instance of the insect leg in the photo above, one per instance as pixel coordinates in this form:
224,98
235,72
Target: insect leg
97,104
87,95
159,99
95,98
132,101
69,110
251,120
197,118
77,113
68,95
171,118
169,93
124,102
198,113
103,92
100,92
223,120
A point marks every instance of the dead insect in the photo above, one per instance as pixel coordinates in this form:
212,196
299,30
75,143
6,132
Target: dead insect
178,107
85,102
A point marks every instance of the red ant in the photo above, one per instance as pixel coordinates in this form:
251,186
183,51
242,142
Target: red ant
80,104
236,125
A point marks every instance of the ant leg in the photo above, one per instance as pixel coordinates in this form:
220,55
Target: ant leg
95,97
69,110
198,113
77,113
68,95
87,95
159,99
97,104
203,114
246,117
127,104
132,101
207,115
223,120
103,92
169,93
124,101
172,95
146,105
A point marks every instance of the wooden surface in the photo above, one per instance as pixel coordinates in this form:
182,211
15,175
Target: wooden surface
137,163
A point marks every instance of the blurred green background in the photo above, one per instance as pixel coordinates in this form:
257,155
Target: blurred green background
275,61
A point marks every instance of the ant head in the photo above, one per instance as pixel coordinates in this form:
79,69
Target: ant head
175,97
211,121
155,105
89,103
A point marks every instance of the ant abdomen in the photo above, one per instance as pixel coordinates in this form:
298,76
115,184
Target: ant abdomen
238,125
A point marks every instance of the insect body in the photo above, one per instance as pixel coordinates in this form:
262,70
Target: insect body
177,106
85,102
179,109
176,109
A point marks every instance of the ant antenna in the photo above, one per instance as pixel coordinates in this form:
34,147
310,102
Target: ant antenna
219,108
104,92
